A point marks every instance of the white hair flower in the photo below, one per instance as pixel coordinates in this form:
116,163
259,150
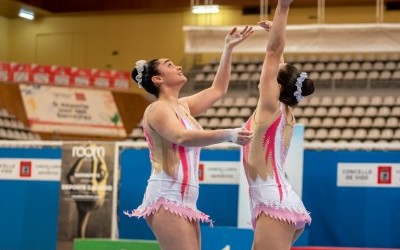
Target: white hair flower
139,65
299,84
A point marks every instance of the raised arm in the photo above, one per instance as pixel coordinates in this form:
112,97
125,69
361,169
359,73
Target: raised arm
164,121
200,102
268,86
267,25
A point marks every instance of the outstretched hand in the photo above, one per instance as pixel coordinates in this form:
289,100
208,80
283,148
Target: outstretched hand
266,25
235,37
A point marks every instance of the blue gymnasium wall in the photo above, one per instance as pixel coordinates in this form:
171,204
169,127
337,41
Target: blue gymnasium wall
218,200
342,216
350,216
29,209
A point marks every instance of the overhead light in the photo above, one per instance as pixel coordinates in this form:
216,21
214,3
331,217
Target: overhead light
205,9
26,14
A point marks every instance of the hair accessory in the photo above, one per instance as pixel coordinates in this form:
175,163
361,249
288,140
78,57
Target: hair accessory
140,68
299,84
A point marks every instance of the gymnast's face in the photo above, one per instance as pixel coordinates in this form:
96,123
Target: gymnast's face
170,73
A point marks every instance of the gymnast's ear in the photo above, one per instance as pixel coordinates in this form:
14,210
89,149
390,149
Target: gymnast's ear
157,80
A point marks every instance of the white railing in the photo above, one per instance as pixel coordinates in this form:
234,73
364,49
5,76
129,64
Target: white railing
313,38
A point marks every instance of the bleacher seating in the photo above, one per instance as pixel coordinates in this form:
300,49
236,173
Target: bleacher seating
13,129
332,72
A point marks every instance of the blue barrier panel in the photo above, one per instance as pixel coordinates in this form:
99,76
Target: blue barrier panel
29,208
232,238
303,239
364,216
220,201
135,170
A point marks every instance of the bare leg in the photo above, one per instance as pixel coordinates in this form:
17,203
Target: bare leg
83,219
272,234
198,232
297,234
174,232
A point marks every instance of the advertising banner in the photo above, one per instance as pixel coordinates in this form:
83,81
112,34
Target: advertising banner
87,186
219,172
29,169
368,175
71,110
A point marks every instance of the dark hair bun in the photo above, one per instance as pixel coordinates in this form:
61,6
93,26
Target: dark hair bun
149,70
308,87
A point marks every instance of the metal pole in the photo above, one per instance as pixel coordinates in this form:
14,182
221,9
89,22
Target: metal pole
321,11
261,10
210,16
379,11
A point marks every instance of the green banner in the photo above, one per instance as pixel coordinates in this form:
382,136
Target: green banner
104,244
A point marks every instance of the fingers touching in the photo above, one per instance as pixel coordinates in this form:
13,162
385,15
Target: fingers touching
242,136
267,25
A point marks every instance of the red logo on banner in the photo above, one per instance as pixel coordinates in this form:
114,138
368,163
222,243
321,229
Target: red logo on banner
384,174
80,96
25,169
201,172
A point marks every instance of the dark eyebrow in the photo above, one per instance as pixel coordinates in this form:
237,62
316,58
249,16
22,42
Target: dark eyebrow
167,61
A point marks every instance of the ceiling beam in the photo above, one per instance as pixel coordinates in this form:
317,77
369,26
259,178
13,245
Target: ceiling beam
62,6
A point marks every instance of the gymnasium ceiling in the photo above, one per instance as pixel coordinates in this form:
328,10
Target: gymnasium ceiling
9,8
